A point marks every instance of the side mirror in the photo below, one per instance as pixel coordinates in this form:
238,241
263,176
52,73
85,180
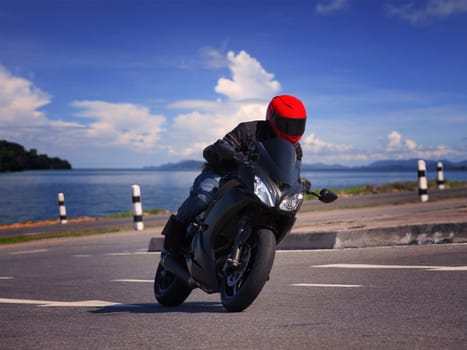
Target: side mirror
327,196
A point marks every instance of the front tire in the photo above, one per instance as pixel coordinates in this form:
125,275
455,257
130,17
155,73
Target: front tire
169,290
241,286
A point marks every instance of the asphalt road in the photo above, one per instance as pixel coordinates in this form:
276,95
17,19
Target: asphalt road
96,293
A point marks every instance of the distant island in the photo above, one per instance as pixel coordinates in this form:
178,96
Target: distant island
184,165
381,165
13,157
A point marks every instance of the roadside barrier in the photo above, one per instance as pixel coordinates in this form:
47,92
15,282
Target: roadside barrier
422,182
62,208
137,208
440,176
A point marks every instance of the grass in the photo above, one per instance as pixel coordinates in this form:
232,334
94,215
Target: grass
392,187
28,238
129,214
65,234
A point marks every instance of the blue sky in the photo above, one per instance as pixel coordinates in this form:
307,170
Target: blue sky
121,83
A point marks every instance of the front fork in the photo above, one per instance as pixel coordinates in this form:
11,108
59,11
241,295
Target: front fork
242,236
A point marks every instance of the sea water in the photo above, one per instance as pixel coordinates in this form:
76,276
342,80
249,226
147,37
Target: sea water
32,195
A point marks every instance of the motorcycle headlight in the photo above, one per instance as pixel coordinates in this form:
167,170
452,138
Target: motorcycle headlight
263,193
291,203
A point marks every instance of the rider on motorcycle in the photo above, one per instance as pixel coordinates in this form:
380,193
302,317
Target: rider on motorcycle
285,118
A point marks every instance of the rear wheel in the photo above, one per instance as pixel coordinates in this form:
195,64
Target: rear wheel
241,286
169,290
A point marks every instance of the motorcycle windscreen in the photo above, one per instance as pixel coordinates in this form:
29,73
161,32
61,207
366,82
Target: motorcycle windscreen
279,159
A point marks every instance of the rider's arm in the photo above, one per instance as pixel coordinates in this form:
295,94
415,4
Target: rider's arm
225,149
220,150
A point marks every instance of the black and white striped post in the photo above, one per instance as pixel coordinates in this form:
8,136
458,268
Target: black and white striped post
440,176
62,208
422,182
137,208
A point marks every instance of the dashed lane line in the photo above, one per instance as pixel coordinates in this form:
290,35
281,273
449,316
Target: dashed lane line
22,252
49,303
131,253
402,267
133,281
322,285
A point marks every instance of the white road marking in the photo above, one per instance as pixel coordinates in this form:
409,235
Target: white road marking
29,251
327,285
448,268
82,255
407,267
133,281
131,253
48,303
5,278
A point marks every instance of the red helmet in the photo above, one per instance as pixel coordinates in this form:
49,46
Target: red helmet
287,116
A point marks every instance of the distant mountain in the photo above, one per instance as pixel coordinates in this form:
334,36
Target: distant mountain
184,165
322,166
13,157
413,164
381,165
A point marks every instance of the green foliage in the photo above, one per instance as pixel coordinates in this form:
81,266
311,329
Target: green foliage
28,238
129,214
13,157
392,187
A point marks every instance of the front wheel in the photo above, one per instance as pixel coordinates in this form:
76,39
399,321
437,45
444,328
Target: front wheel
241,286
169,290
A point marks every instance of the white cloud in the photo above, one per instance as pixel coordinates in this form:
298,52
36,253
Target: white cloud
105,125
395,146
249,79
315,145
398,147
213,58
247,94
102,127
121,124
432,10
317,150
329,6
22,121
20,101
194,130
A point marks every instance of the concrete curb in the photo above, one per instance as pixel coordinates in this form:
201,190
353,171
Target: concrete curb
362,238
378,237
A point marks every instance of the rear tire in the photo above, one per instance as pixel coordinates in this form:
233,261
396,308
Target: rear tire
169,290
240,287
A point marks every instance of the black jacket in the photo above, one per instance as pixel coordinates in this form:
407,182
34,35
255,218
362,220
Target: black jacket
240,138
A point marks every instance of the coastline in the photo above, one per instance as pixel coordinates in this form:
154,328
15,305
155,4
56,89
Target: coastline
399,209
356,191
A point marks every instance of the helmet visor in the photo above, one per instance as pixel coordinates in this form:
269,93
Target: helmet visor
289,126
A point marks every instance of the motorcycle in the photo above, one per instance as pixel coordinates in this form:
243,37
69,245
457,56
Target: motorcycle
231,246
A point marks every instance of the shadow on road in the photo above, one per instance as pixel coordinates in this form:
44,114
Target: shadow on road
154,308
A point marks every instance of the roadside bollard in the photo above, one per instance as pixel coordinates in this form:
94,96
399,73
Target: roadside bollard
137,208
422,182
440,176
62,208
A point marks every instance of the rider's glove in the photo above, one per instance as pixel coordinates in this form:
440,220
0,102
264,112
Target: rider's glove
242,158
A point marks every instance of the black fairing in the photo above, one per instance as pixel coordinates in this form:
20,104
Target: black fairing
279,159
275,163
